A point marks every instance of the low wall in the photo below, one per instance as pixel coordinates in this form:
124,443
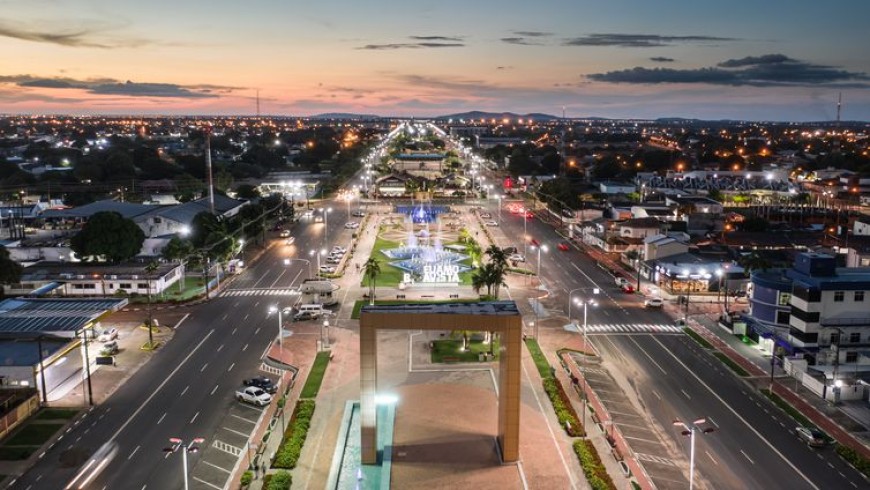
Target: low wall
19,414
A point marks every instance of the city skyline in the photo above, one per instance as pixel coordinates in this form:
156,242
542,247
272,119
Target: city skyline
627,59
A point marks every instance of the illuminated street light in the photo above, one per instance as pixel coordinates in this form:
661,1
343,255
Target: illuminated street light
689,431
178,444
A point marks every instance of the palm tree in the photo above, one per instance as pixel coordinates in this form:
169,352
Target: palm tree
474,251
464,235
371,270
479,280
499,265
498,256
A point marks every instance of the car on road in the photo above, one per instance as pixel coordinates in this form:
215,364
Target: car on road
318,219
284,233
327,269
563,247
333,259
351,225
813,437
109,348
304,316
529,215
290,240
517,257
491,223
621,281
108,334
263,383
627,288
653,303
358,214
535,243
254,396
485,216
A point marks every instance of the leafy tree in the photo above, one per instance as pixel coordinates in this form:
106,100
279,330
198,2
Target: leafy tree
10,271
371,270
247,191
110,235
498,262
178,250
753,261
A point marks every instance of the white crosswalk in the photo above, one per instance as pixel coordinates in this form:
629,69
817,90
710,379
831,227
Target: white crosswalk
650,458
629,328
259,292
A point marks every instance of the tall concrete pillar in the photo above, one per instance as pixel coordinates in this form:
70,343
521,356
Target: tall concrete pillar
368,358
509,384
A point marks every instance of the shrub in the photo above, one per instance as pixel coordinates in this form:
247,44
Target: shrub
538,356
247,478
595,473
279,481
294,438
854,458
563,408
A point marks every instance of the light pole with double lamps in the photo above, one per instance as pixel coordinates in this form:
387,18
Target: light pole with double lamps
184,447
689,431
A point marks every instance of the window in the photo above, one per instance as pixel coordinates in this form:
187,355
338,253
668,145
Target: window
807,294
807,317
784,299
782,317
835,339
855,337
839,296
125,285
859,295
142,285
851,357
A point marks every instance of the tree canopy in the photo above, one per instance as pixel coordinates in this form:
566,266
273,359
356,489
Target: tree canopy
108,234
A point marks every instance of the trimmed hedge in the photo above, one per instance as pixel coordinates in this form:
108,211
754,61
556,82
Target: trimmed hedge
563,408
540,360
854,458
278,481
596,475
294,438
247,478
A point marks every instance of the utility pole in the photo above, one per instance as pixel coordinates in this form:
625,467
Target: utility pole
191,447
209,169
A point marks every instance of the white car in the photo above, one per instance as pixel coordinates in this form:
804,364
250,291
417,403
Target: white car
352,225
254,396
290,240
333,259
491,223
285,234
359,214
108,334
327,269
486,216
653,302
517,258
339,249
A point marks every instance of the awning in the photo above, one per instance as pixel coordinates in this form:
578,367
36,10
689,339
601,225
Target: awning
45,289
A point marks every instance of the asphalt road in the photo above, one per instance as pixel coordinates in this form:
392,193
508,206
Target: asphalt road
755,445
188,387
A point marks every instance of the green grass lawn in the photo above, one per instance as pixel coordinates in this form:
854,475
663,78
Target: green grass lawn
390,276
33,435
450,349
315,377
539,358
56,414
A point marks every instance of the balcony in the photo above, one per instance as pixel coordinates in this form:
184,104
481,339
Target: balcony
846,322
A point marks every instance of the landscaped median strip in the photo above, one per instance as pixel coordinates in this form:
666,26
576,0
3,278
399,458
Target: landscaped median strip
590,461
294,436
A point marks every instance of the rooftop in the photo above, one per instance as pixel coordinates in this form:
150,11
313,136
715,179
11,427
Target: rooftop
481,308
52,316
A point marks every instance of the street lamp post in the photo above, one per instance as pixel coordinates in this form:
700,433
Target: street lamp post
324,335
544,248
689,431
525,233
499,209
178,444
287,262
585,304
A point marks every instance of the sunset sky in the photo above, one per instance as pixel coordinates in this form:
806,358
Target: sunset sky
764,60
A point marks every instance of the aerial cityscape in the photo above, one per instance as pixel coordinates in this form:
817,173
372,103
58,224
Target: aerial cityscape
384,245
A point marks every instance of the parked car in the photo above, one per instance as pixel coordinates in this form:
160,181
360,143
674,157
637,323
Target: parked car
284,233
108,334
327,269
263,383
109,348
358,214
333,259
621,281
485,216
304,316
339,249
254,396
351,225
563,247
517,257
491,223
653,303
813,437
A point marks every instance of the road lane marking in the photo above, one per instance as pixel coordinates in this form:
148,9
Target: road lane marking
656,393
687,395
231,367
257,331
133,453
162,417
218,467
710,419
242,418
234,331
246,316
214,389
648,356
711,458
747,456
203,367
236,432
225,316
207,483
245,348
736,414
220,348
154,393
185,390
194,417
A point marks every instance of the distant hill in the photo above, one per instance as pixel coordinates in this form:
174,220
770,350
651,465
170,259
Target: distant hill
344,115
498,115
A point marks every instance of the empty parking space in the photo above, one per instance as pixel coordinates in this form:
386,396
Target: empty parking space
230,441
